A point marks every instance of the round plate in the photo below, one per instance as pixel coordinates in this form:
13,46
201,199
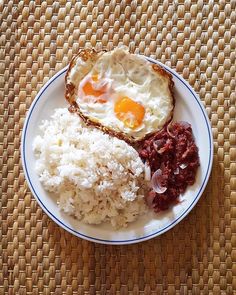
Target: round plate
188,108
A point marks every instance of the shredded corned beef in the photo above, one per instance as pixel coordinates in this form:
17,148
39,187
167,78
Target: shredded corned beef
173,159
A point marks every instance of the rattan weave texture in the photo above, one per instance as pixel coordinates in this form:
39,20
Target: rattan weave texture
197,39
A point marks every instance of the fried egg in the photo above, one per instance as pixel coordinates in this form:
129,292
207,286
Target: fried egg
121,93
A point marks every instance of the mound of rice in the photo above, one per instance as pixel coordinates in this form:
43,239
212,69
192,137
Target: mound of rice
97,178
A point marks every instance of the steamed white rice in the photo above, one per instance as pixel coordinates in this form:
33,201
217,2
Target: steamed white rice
96,177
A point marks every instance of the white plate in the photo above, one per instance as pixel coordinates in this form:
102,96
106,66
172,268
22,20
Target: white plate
188,107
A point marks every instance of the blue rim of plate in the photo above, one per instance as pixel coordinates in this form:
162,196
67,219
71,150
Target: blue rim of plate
118,242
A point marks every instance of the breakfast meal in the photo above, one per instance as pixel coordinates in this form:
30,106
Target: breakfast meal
115,153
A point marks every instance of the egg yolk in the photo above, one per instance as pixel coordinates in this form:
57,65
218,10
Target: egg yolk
89,90
129,112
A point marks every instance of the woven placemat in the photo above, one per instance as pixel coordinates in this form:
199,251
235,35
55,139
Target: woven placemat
197,39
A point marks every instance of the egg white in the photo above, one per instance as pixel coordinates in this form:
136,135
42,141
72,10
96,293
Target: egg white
132,76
